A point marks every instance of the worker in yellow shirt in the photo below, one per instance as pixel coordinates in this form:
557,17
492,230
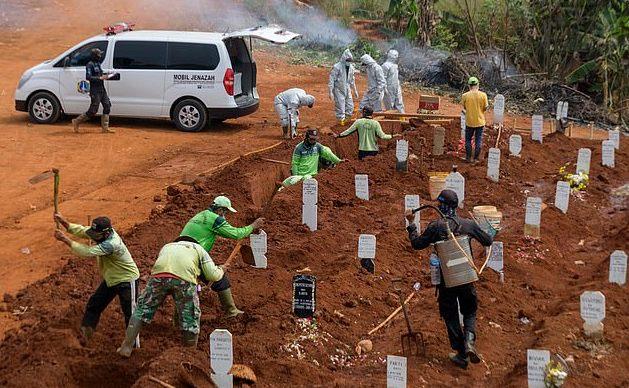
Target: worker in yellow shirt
474,105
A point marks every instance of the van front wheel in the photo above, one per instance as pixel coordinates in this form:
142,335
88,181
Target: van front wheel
190,116
44,108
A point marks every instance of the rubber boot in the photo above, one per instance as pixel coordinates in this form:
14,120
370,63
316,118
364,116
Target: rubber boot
458,359
342,122
285,132
104,123
77,122
227,301
470,349
126,348
189,339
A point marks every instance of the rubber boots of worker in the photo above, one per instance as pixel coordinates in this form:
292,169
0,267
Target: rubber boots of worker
470,349
285,132
189,339
77,122
104,123
459,360
227,301
135,325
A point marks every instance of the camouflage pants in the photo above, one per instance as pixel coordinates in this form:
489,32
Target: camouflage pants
186,302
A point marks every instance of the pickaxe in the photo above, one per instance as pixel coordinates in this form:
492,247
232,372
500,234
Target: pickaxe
53,172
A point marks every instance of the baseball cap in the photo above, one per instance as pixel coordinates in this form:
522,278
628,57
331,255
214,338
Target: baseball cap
449,198
223,201
472,81
100,226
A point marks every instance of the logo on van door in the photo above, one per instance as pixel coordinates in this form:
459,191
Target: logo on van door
199,81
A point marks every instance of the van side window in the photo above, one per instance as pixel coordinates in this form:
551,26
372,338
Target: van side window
81,56
139,55
192,56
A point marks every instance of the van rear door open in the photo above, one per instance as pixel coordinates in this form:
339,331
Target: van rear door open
273,34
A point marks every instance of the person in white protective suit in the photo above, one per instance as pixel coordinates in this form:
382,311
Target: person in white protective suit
342,82
287,106
376,83
393,91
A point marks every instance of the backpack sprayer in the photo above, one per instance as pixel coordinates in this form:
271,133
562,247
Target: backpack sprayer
457,265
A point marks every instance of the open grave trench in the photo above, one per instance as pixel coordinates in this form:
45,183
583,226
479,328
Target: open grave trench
542,283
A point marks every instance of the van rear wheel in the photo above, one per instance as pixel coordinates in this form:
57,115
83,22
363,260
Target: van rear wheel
190,116
44,108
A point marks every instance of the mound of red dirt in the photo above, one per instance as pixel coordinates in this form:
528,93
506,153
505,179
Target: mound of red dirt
542,281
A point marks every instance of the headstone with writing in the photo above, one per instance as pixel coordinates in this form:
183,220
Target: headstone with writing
496,259
362,186
412,202
493,164
618,267
614,135
401,154
499,108
259,247
562,196
533,217
310,197
456,182
463,125
396,372
608,153
536,361
515,145
304,295
438,141
593,312
367,251
537,126
583,160
221,351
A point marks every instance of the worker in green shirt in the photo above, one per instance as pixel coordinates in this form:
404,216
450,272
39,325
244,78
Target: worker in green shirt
368,129
204,227
307,156
119,272
175,273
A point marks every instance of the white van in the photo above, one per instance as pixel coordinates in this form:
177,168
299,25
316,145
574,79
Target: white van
188,77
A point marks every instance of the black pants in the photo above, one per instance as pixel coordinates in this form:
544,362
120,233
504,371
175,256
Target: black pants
363,154
98,97
477,134
468,303
127,295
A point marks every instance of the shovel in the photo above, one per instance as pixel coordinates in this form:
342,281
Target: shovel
245,252
53,172
413,342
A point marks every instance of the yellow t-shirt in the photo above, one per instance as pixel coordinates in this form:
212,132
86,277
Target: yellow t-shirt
475,104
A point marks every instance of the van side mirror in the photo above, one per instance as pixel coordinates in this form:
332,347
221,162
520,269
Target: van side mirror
66,61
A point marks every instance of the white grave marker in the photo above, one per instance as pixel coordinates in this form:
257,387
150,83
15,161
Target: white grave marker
564,110
592,306
533,217
536,361
412,202
608,153
456,182
496,259
618,267
559,112
493,164
463,125
223,381
367,246
362,186
499,108
537,126
515,145
562,196
401,150
583,160
259,248
310,197
614,136
221,351
396,372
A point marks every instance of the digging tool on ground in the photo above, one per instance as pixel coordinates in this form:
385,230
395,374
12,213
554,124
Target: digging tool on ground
53,172
413,342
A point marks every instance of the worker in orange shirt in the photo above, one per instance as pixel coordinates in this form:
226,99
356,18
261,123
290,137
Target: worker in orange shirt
474,105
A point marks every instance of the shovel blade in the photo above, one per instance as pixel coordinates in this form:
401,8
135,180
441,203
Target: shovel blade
41,177
247,255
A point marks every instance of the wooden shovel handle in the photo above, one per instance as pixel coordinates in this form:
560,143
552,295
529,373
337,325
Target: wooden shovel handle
56,192
393,314
232,255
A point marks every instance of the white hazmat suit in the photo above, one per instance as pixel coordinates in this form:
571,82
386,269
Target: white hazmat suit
287,106
375,84
342,82
393,91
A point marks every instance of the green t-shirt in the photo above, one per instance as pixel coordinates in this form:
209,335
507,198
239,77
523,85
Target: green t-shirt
306,159
368,131
206,225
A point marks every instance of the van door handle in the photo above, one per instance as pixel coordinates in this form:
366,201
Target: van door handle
115,77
